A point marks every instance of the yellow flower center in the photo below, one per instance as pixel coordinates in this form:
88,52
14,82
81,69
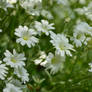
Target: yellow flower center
54,60
62,47
45,27
25,38
13,60
79,36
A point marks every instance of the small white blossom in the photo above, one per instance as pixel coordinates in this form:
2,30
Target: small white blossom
21,72
3,71
11,88
83,27
54,62
90,70
64,12
44,26
0,30
82,1
15,82
12,1
63,2
15,59
41,60
80,31
87,11
46,14
33,7
61,43
26,36
78,39
4,5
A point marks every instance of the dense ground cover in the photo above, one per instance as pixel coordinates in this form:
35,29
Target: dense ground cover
45,46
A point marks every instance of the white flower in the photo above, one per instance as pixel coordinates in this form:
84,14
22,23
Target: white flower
61,43
0,30
87,11
15,82
44,26
3,71
90,70
46,14
64,12
15,59
4,5
11,1
80,11
78,39
82,1
11,88
63,2
80,31
54,62
21,72
41,60
33,7
83,27
26,36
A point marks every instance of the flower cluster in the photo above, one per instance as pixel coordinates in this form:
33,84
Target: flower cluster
40,40
15,61
32,6
87,11
81,34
